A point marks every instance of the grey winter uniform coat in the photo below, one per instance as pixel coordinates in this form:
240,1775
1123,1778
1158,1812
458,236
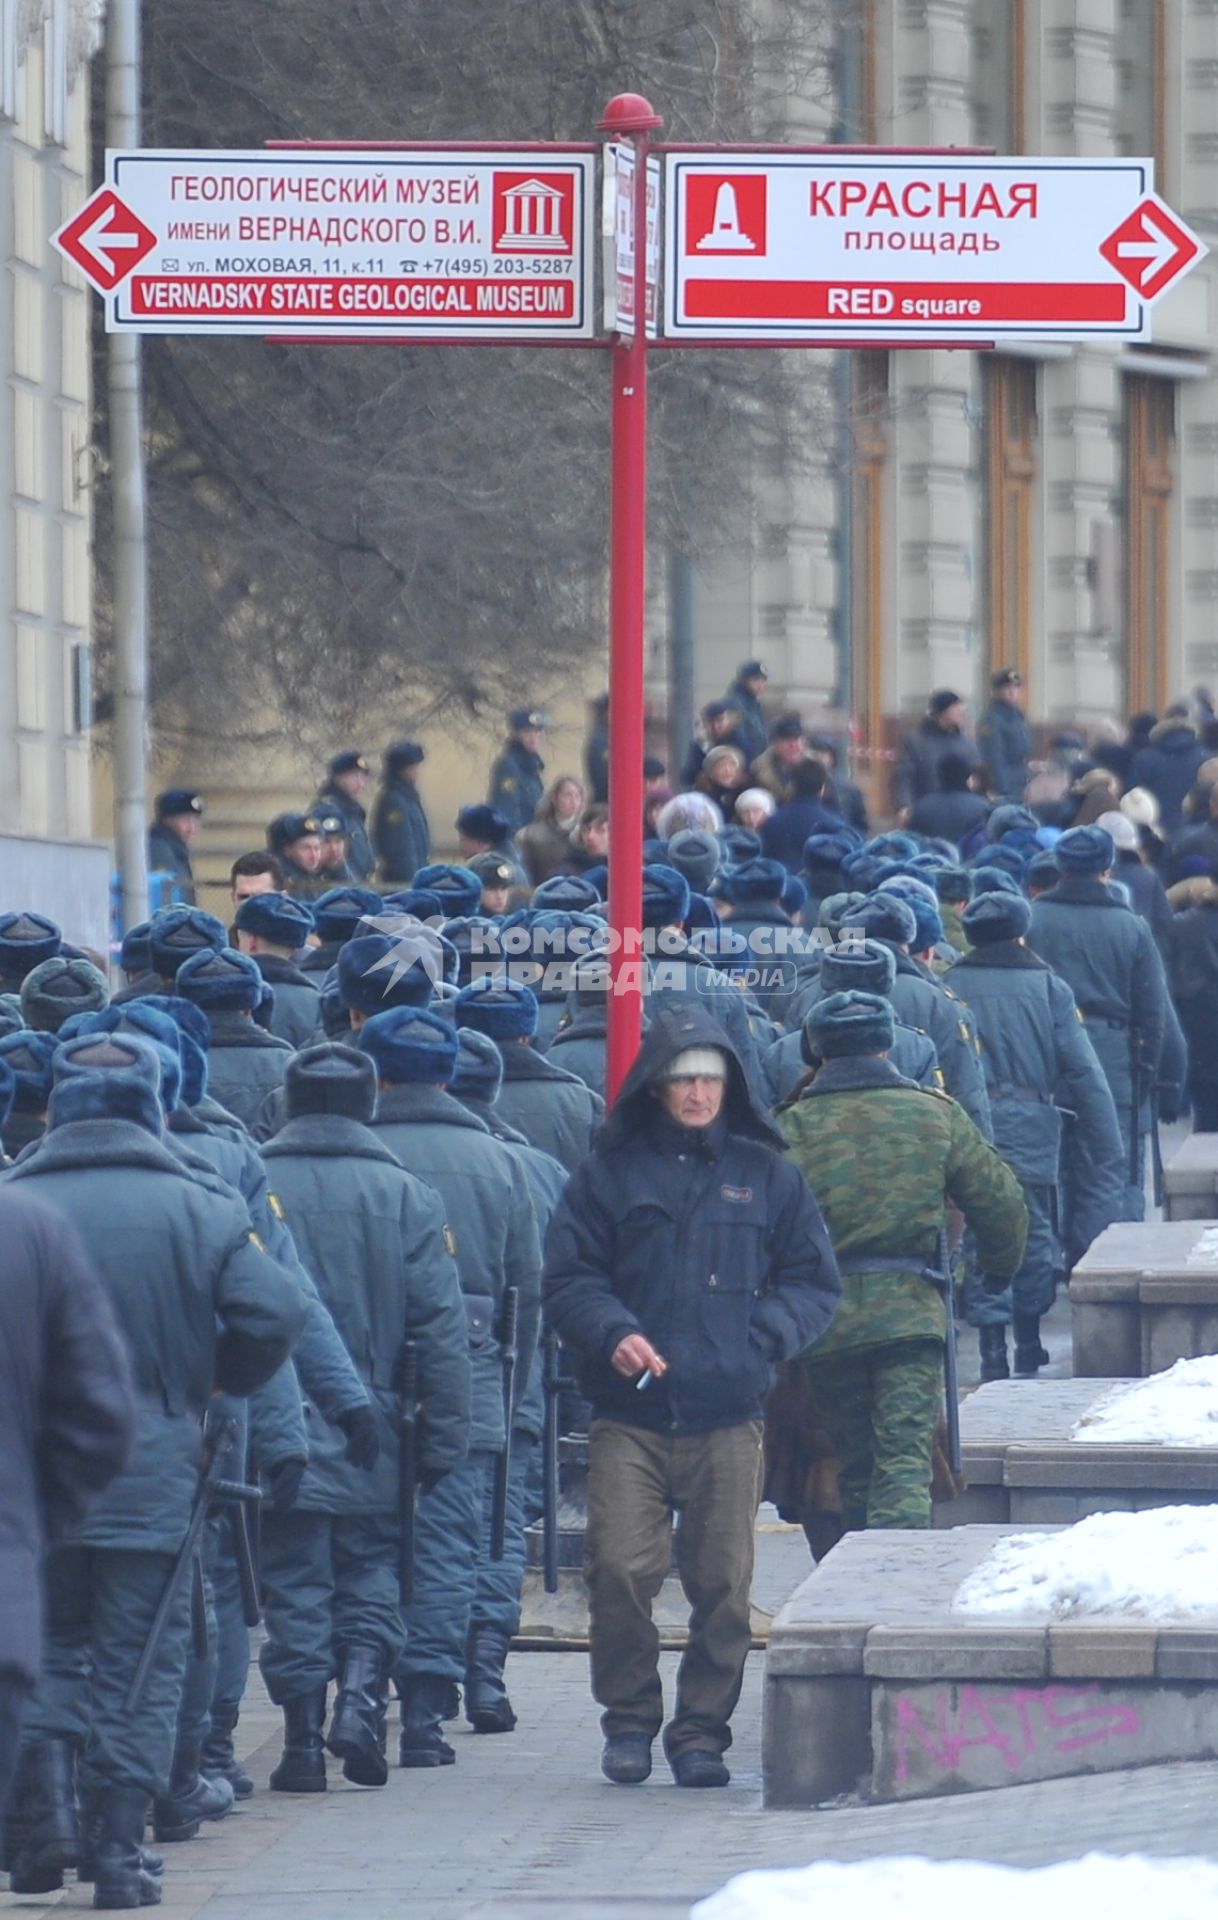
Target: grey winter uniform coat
581,1048
492,1227
554,1110
244,1064
1005,739
1039,1061
67,1413
200,1302
374,1237
296,1012
1108,955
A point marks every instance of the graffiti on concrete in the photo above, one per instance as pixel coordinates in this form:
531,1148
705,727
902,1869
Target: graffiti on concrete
1023,1727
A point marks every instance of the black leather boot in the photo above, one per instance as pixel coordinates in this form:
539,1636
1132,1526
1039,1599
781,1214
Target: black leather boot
487,1707
219,1761
90,1841
1030,1355
43,1831
423,1703
357,1730
993,1344
191,1797
303,1766
121,1875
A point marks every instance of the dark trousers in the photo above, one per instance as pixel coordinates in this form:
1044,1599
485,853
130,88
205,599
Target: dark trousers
637,1481
330,1582
15,1691
100,1604
447,1547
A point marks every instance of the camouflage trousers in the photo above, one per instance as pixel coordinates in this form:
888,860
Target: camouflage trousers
879,1406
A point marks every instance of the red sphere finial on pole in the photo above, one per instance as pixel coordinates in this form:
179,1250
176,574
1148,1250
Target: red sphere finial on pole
629,113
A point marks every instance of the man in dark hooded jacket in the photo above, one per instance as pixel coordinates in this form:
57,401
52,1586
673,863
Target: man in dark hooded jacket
684,1261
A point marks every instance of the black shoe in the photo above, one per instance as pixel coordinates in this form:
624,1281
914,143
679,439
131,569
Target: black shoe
219,1760
43,1834
303,1766
699,1767
487,1707
626,1759
191,1798
993,1344
423,1703
357,1731
121,1877
1030,1355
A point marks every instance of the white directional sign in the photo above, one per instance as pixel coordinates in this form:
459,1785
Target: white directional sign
617,226
793,245
456,243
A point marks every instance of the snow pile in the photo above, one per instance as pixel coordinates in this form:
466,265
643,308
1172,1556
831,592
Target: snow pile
1204,1252
1159,1565
1178,1408
916,1889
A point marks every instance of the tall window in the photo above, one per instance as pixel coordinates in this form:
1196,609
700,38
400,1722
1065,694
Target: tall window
1011,464
1142,93
869,376
1000,63
1150,460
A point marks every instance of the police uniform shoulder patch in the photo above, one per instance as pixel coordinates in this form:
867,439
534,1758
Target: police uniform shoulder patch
393,817
276,1206
450,1242
508,783
256,1240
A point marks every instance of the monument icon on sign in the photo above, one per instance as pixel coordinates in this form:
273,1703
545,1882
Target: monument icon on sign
533,219
725,235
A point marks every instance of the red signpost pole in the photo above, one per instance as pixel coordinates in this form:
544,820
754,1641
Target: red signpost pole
628,117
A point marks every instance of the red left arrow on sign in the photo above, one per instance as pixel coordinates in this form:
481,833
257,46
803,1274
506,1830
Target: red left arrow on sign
105,240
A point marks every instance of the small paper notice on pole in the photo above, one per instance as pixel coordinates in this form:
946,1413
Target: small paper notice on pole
617,235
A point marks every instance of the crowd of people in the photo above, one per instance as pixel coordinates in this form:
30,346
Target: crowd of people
320,1178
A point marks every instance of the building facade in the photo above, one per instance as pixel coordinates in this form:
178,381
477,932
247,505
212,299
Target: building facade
1048,507
46,809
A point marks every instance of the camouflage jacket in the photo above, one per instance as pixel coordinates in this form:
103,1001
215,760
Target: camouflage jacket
883,1158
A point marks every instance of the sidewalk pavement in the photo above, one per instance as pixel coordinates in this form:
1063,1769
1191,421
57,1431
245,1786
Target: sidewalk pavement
524,1828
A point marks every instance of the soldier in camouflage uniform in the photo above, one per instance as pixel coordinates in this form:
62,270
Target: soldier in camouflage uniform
883,1158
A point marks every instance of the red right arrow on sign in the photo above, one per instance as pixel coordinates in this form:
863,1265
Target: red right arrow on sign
1151,248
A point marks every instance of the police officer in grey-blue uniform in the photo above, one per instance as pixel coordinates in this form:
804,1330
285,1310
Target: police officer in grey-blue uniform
861,967
374,1236
26,940
29,1055
580,1045
273,929
1109,956
245,1062
1039,1061
160,1239
346,783
554,1110
495,1620
493,1230
400,832
175,933
517,786
179,814
336,919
